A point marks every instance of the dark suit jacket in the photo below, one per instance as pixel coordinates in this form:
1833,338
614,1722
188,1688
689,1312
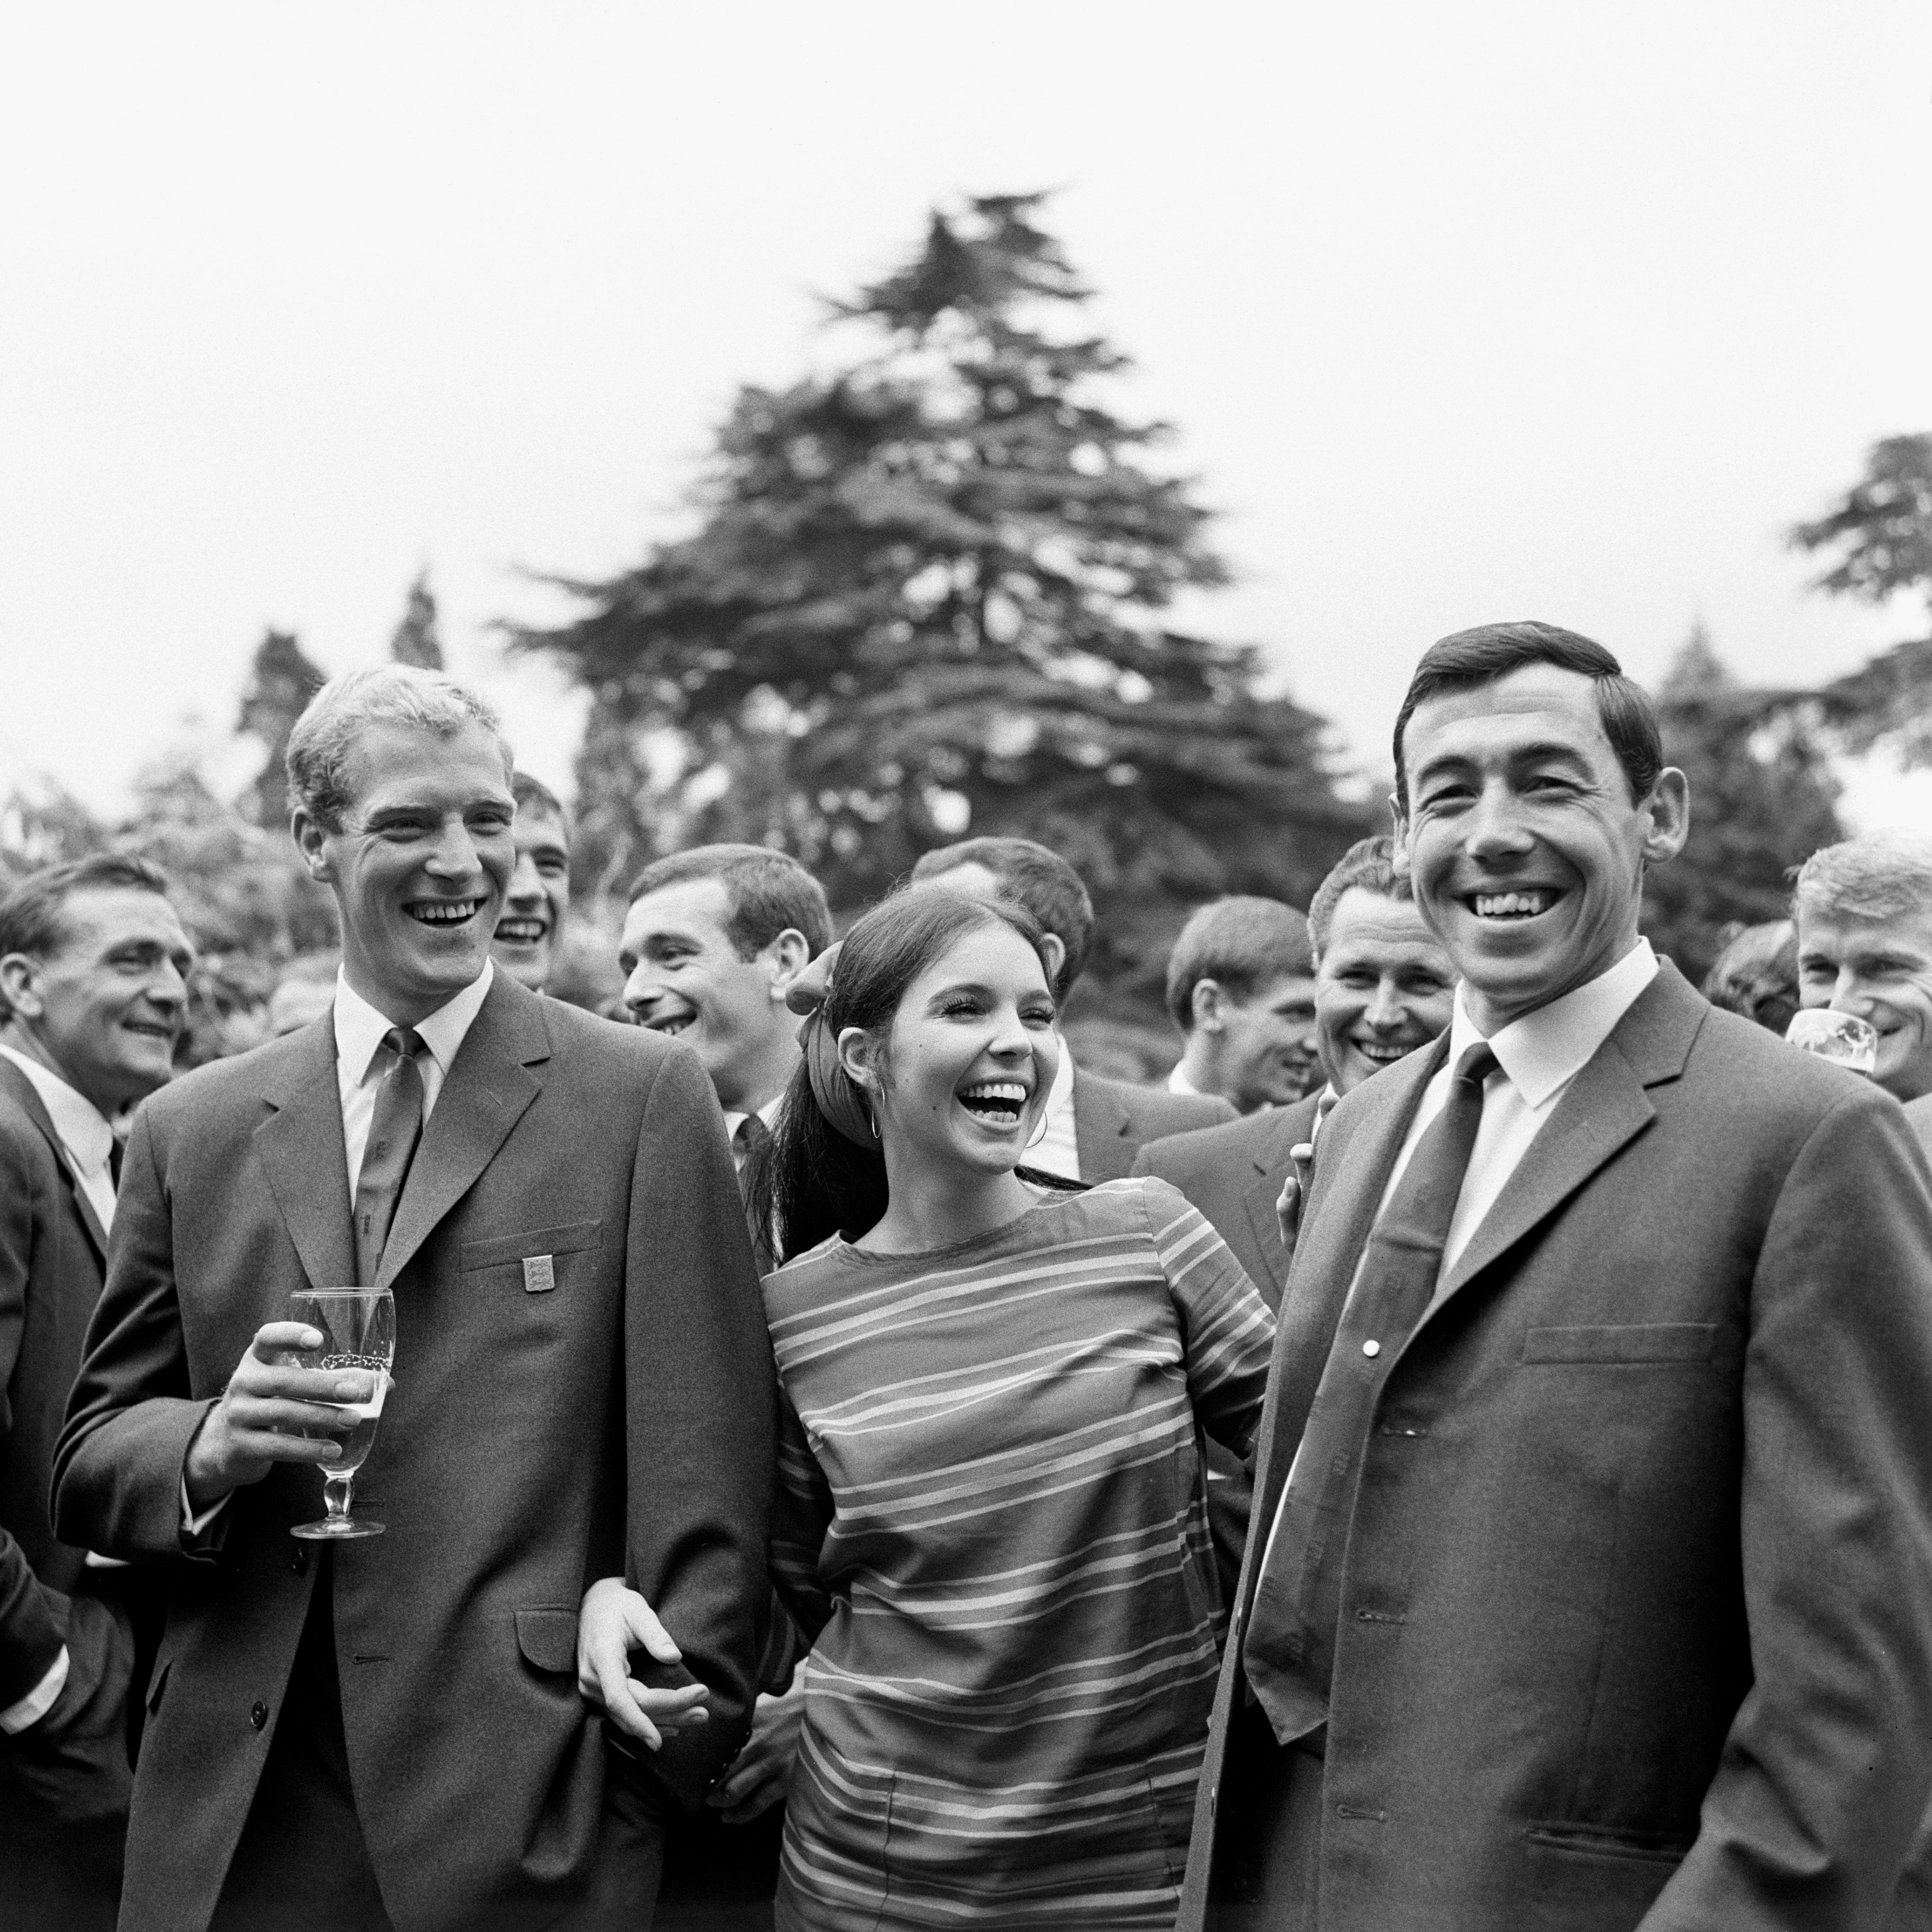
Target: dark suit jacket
1113,1120
1234,1173
620,1422
1635,1624
52,1255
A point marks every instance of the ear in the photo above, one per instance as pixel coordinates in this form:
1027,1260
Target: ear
311,838
1204,1005
1667,811
1053,951
19,980
1399,829
788,955
859,1055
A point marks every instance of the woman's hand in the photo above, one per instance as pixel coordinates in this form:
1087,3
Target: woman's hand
761,1772
614,1622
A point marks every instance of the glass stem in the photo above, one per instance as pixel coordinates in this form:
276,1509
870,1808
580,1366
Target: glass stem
336,1491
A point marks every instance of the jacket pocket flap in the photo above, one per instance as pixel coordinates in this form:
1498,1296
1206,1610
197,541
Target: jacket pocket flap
569,1240
1630,1342
548,1639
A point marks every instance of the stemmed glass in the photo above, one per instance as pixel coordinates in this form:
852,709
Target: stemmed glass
1841,1038
359,1331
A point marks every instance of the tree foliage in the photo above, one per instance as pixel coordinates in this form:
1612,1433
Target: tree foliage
928,595
418,641
281,680
1762,800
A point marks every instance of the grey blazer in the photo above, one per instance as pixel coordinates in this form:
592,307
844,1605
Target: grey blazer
1112,1121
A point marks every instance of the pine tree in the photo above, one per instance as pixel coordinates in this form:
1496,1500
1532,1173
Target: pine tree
928,596
281,681
417,640
1762,800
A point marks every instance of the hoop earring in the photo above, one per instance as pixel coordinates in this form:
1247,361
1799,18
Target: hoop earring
871,1121
1039,1133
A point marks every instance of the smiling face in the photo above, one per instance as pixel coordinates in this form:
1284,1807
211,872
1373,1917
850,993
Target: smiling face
420,865
104,1008
1524,847
969,1061
525,946
1265,1053
1881,971
685,977
1383,987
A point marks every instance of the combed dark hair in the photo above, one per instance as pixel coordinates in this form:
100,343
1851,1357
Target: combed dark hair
1037,879
32,915
535,794
1368,865
1757,975
1244,943
815,1183
1468,658
765,892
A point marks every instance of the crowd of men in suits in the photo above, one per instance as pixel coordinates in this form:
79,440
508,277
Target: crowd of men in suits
1582,1578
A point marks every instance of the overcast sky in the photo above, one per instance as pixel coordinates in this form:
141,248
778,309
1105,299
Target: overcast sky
1462,312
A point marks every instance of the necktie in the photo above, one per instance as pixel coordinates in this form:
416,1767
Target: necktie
748,1141
117,1152
1289,1651
393,1135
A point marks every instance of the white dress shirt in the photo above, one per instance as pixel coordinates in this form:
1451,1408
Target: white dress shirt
1058,1151
359,1028
87,1140
1177,1081
1536,1058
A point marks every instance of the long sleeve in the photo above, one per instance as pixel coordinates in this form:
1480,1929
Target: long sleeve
1227,1330
801,1510
1824,1775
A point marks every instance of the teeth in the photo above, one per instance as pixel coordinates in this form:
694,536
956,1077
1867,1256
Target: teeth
1513,905
1375,1050
997,1090
676,1023
445,912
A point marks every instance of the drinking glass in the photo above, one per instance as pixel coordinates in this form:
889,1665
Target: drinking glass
359,1331
1842,1038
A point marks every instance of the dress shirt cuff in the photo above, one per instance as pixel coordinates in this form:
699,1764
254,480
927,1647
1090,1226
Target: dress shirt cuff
40,1700
195,1527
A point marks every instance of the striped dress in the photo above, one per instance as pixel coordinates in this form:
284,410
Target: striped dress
992,1518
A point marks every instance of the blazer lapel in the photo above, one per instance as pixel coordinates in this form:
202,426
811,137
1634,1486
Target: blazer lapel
1605,1108
1271,1165
301,1150
489,1086
22,1090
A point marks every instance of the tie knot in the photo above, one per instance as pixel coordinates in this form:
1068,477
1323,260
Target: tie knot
405,1042
752,1133
1478,1064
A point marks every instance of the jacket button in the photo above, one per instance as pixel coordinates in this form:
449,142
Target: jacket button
259,1716
298,1560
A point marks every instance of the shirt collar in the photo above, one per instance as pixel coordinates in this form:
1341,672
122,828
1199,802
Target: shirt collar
359,1027
768,1113
1545,1049
1177,1081
83,1128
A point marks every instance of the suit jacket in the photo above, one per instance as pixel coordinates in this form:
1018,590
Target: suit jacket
1634,1624
1112,1119
536,1437
1234,1173
1919,1113
53,1252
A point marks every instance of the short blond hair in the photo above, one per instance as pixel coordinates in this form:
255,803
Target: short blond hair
317,760
1883,875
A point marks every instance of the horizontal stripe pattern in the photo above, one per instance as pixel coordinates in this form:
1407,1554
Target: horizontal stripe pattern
991,1514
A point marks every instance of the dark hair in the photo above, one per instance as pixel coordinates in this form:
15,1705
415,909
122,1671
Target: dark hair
1757,975
814,1182
32,915
1369,866
766,893
1243,943
533,794
1037,879
1491,651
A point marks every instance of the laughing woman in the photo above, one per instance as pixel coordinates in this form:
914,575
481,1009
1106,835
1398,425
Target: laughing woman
992,1518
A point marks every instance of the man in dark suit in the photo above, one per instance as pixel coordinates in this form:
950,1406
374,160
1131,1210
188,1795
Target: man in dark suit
394,1732
1383,988
1587,1582
93,967
1094,1126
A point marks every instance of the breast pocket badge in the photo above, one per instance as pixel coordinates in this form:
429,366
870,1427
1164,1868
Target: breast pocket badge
539,1274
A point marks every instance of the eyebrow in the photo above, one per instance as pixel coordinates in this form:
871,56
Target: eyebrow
1542,752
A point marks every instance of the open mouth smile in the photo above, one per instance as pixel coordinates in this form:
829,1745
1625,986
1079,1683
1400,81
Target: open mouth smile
669,1024
999,1103
444,912
515,930
1380,1052
1526,902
